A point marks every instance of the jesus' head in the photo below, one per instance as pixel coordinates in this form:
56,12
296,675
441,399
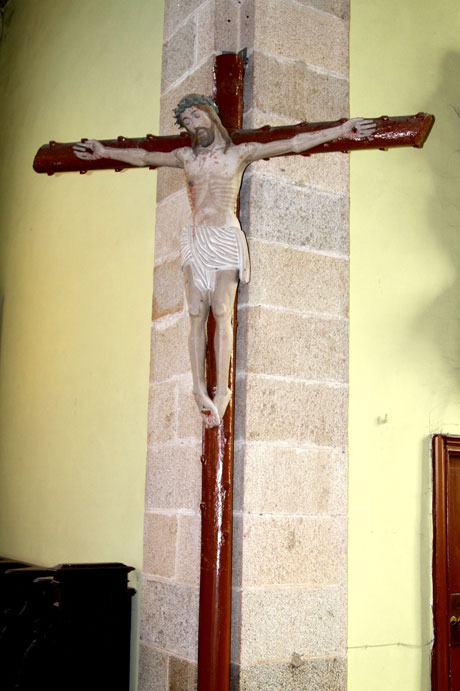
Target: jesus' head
199,115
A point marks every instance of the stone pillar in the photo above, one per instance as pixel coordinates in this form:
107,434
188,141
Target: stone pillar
289,615
194,32
289,622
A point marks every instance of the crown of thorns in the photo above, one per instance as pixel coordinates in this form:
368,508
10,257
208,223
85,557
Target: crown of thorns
188,102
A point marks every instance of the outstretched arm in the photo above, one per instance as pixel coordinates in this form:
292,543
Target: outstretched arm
358,127
93,150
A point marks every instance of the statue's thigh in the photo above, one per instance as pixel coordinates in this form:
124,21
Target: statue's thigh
198,304
224,292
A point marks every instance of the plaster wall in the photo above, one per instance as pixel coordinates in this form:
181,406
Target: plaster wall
76,256
404,333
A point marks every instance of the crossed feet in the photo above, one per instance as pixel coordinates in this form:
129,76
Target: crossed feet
212,412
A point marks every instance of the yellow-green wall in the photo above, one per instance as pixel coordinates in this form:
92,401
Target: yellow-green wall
405,332
76,258
76,275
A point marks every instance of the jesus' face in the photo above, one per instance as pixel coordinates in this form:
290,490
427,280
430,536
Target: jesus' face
199,126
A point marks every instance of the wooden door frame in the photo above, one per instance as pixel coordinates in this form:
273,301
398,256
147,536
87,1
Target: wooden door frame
442,447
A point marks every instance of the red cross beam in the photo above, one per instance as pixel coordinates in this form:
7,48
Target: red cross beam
391,132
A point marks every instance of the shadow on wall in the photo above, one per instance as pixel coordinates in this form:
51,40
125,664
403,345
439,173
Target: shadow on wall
6,15
436,328
2,301
238,490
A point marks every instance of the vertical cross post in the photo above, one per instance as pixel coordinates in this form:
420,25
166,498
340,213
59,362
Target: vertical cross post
217,459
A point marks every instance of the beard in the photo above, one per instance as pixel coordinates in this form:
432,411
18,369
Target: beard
204,137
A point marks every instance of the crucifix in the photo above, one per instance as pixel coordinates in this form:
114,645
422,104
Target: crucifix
214,153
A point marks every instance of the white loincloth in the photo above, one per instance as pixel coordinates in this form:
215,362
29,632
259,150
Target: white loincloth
208,249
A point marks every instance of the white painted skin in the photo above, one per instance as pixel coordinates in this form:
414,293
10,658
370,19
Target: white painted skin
213,178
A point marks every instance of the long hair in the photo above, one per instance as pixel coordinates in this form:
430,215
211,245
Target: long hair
213,116
208,106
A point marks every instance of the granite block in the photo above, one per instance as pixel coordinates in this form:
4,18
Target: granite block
326,173
305,551
173,477
291,344
296,280
189,549
169,617
291,411
270,478
162,413
296,216
171,216
160,533
168,289
293,89
217,26
170,181
271,624
341,8
189,424
176,13
169,351
183,675
178,53
297,32
299,674
153,669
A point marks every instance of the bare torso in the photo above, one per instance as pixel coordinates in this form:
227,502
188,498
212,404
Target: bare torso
213,179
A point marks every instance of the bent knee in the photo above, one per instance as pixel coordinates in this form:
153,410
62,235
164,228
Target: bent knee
222,312
198,310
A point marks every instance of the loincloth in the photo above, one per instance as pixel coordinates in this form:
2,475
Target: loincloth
207,249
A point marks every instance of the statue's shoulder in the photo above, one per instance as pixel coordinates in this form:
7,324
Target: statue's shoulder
246,149
184,154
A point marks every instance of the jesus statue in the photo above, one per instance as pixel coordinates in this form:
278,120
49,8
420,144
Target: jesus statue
214,249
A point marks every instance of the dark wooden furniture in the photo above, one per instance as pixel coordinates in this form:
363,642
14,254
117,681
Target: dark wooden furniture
66,627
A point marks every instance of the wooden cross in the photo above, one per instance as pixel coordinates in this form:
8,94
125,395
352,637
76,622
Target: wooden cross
217,449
